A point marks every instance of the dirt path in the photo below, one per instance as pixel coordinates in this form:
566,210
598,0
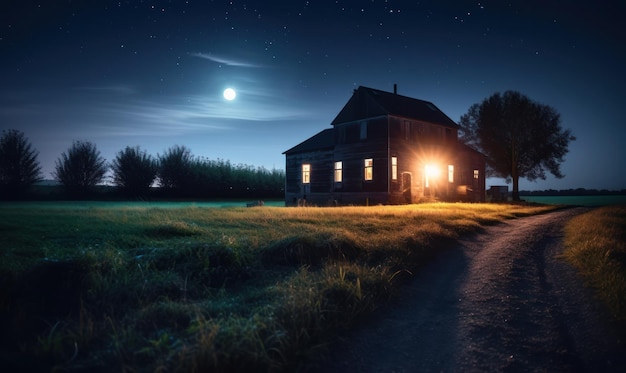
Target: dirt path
499,301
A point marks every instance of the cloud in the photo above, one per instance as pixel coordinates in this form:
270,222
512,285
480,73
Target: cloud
200,112
223,60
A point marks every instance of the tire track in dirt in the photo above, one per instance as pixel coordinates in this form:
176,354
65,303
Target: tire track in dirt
498,301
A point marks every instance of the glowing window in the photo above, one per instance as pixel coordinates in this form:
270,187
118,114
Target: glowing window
394,168
306,173
476,174
368,173
338,171
451,173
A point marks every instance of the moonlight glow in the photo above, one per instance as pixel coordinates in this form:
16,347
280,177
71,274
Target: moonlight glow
230,94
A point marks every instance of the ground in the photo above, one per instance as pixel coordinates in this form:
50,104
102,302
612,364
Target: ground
500,300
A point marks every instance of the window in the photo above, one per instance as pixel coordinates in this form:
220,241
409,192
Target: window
338,171
476,174
368,172
306,173
394,168
363,134
451,173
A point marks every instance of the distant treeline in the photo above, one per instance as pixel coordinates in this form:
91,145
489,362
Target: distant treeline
82,173
573,192
221,179
204,179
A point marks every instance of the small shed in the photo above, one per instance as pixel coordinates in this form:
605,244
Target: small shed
498,193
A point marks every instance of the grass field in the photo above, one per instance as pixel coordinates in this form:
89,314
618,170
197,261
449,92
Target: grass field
593,201
596,245
132,288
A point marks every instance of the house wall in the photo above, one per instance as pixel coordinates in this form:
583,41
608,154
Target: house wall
321,178
417,144
353,145
471,189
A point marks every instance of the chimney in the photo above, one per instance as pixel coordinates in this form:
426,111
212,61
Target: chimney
395,89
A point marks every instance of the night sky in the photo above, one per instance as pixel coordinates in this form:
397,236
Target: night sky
152,73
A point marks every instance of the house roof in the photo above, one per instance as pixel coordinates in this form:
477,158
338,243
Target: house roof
322,140
464,147
368,103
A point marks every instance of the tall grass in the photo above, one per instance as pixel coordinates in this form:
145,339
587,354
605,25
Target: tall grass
596,245
203,289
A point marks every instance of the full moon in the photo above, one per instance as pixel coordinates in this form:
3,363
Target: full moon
230,94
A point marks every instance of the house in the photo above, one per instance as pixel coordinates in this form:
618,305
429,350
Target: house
384,148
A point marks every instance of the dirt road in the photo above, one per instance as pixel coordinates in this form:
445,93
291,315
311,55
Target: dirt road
499,301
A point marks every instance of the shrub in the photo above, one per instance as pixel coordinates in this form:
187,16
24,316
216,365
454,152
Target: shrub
134,171
174,170
81,168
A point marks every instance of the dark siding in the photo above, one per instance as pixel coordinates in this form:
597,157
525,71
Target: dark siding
317,192
470,189
353,157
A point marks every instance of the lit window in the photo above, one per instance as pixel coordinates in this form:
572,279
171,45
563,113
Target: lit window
338,171
476,174
451,173
368,173
394,168
306,173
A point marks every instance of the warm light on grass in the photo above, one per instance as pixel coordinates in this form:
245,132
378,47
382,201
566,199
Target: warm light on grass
209,289
596,246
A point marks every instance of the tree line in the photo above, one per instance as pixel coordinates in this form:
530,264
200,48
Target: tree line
176,173
573,192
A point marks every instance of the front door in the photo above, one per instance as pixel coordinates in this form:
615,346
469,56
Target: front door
407,187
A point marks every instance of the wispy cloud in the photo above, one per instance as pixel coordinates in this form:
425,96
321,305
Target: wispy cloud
224,60
201,113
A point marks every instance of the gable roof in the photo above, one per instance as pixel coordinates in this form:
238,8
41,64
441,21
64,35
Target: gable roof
319,141
368,103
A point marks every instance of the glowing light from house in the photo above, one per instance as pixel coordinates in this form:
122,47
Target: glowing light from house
306,173
368,171
338,171
431,172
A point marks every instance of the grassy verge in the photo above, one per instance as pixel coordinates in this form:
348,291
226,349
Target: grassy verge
203,289
596,247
